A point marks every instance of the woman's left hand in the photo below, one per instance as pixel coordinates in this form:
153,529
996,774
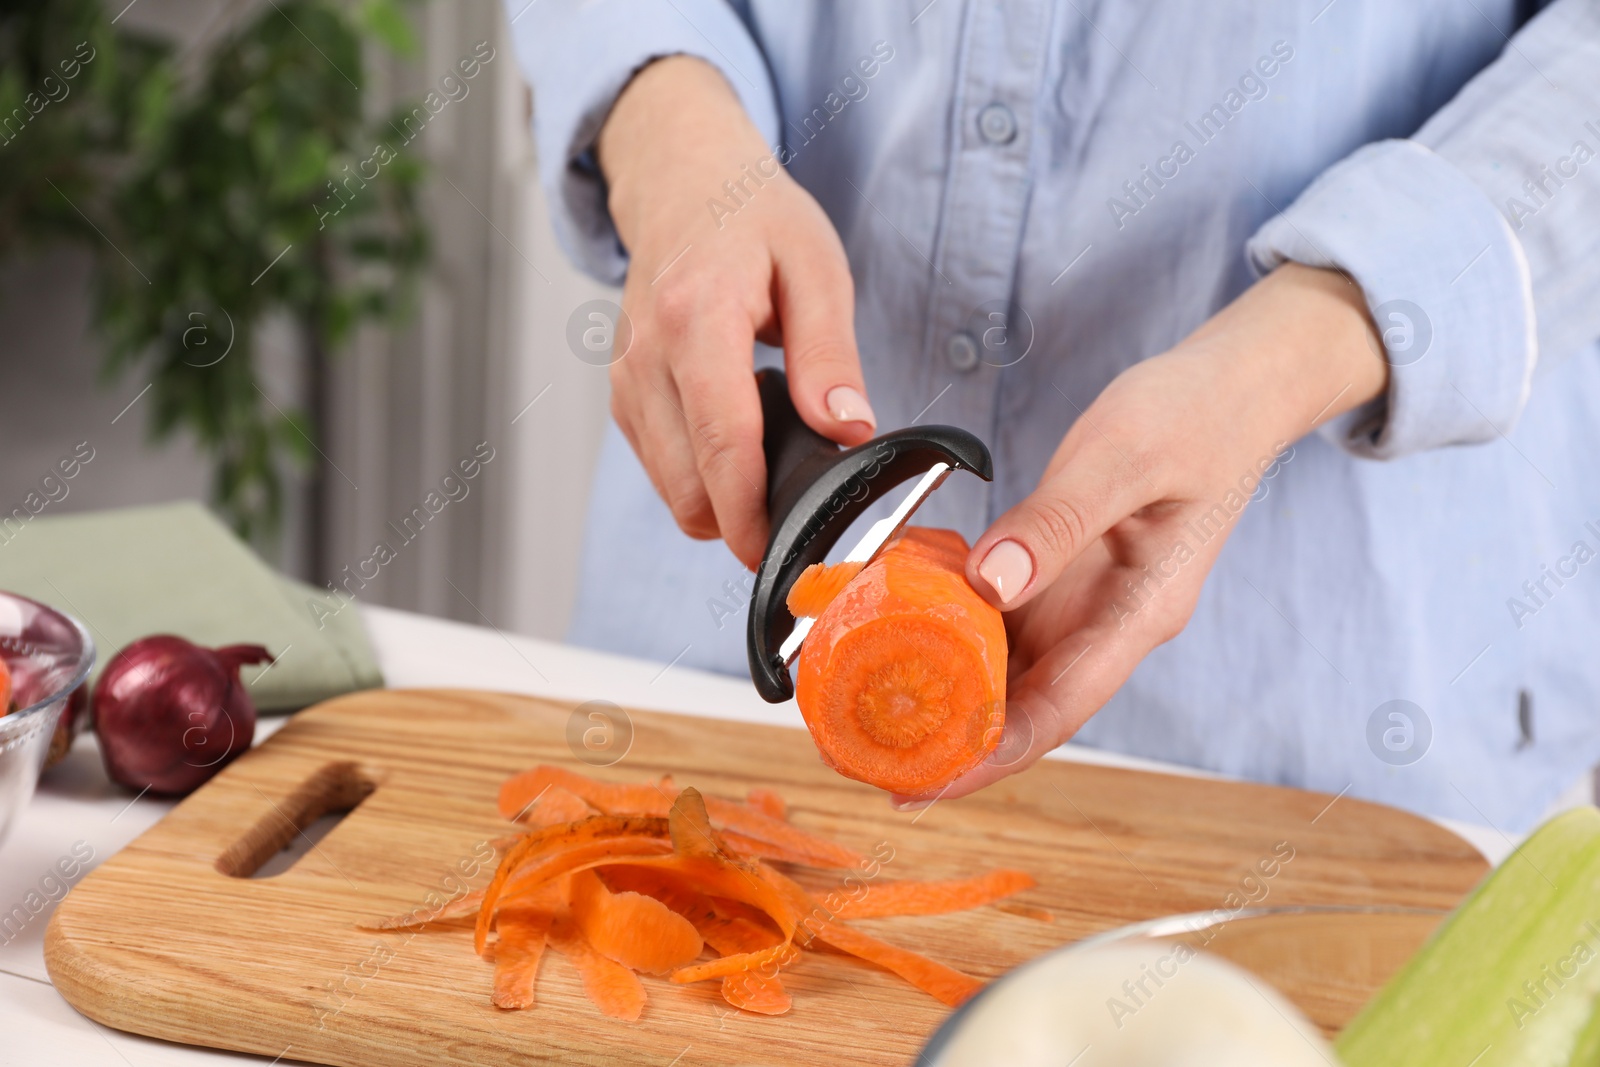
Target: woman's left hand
1106,559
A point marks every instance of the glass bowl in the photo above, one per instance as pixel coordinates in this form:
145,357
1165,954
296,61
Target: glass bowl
1328,960
49,655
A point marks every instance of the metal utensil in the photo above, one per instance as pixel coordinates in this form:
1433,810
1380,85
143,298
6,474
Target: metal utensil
49,654
815,490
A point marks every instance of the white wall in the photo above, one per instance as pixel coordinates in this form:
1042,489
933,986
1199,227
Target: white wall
488,337
52,397
554,443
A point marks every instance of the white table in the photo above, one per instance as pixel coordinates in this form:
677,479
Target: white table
78,805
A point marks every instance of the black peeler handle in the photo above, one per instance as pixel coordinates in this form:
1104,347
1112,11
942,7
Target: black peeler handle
815,490
795,453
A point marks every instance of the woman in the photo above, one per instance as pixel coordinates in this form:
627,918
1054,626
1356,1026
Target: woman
1166,259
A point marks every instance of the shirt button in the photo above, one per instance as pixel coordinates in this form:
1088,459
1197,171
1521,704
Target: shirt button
996,124
962,351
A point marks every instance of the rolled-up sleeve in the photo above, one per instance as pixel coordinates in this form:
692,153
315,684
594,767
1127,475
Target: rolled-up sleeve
578,55
1469,272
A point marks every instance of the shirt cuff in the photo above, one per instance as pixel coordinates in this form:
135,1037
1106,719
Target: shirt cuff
578,57
1446,282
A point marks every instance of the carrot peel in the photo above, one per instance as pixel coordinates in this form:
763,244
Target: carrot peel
643,878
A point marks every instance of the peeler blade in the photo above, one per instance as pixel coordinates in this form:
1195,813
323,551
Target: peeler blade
815,491
877,537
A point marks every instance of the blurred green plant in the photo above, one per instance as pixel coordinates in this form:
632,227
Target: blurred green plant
204,200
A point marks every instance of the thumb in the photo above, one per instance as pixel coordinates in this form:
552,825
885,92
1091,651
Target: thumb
816,308
1078,501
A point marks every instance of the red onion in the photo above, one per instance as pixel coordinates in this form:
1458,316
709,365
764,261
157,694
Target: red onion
170,714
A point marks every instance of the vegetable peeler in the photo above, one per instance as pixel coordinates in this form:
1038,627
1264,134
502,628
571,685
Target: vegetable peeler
815,490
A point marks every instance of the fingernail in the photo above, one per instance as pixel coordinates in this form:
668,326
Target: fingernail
899,804
1007,568
848,405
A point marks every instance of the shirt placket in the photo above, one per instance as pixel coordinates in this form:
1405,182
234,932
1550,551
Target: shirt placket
980,227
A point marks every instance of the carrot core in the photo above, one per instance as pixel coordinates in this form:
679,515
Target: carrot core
904,701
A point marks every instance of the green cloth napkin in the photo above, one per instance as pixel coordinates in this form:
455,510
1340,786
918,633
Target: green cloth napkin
174,568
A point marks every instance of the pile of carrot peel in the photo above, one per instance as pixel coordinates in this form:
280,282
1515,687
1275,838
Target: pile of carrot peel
624,879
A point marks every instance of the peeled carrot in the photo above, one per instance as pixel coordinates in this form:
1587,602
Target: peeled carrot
5,688
902,681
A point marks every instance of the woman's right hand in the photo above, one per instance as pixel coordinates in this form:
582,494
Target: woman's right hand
725,249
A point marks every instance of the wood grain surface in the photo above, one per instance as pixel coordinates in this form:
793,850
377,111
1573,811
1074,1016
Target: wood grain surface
172,939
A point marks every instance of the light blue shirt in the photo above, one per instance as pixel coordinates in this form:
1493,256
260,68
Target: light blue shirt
1111,174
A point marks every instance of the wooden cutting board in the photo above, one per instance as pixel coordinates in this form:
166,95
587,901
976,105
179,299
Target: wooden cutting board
171,938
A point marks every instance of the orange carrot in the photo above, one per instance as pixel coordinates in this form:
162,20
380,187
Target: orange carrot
931,898
5,688
637,931
902,681
613,988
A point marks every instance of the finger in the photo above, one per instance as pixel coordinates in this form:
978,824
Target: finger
668,456
645,409
1029,546
815,299
722,410
625,412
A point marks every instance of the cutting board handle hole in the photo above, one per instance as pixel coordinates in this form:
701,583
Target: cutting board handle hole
293,826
